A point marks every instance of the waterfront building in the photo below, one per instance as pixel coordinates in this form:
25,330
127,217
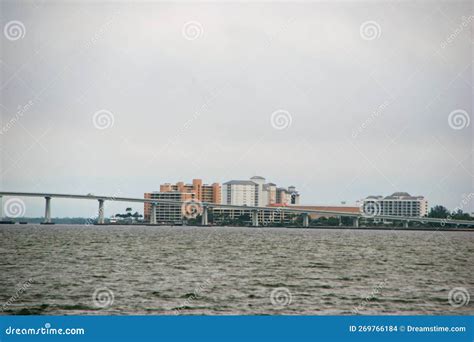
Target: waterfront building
269,193
202,192
168,213
287,196
255,192
397,204
252,192
240,192
266,217
270,216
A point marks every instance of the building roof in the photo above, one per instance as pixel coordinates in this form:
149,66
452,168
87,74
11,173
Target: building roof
257,177
345,209
240,182
271,184
400,194
395,195
170,193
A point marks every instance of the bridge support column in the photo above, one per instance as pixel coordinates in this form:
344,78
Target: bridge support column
356,222
1,208
204,215
305,220
255,218
153,214
100,219
47,210
405,224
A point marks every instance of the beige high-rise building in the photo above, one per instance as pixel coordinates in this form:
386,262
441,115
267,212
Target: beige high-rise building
256,192
180,192
397,204
167,212
203,192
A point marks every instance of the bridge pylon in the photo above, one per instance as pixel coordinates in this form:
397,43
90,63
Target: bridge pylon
47,210
153,214
204,216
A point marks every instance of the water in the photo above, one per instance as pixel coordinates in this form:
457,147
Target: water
190,270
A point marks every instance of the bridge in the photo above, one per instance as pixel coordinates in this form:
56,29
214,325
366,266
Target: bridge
205,206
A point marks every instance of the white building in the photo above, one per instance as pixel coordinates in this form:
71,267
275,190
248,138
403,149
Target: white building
259,197
255,192
397,204
240,192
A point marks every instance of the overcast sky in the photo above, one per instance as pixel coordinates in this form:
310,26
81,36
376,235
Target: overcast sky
341,99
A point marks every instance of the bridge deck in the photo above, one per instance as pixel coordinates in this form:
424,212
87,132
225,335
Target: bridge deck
229,206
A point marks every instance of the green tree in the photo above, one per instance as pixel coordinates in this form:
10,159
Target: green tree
460,215
438,211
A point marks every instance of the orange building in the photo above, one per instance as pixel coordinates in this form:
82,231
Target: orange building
180,192
202,192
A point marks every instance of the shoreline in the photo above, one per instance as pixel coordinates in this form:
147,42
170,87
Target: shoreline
434,229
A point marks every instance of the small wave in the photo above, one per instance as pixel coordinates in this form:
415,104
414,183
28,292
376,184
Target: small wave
317,265
195,308
75,307
24,311
99,276
161,295
273,284
188,295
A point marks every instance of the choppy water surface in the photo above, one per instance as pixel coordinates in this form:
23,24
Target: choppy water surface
192,270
